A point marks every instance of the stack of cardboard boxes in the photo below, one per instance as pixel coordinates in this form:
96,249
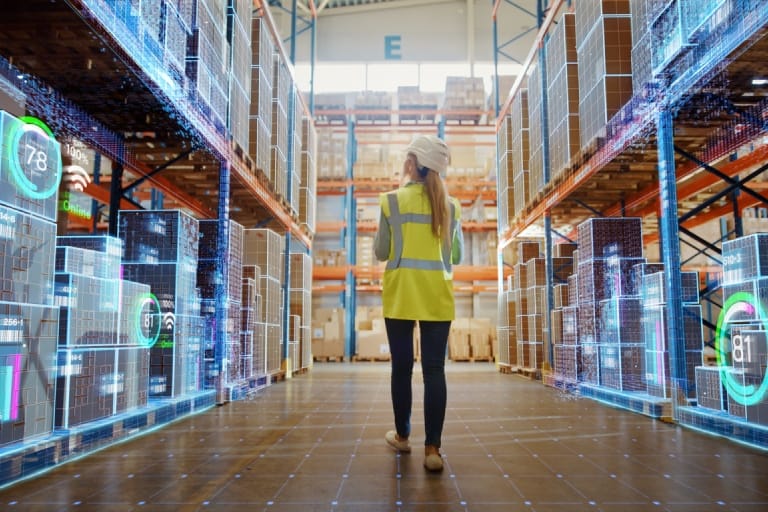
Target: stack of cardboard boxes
328,334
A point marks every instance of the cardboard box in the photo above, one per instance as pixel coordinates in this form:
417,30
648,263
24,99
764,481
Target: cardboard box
372,345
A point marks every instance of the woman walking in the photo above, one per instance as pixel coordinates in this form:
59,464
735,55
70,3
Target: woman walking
420,238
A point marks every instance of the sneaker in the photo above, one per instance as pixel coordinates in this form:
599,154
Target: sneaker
396,442
432,459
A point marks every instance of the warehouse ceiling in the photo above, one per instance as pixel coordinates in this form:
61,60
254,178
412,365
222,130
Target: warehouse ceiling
81,78
331,7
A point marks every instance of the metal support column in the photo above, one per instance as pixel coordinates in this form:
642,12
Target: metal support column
95,207
290,162
496,105
157,199
547,172
738,228
350,302
115,194
312,61
670,250
222,290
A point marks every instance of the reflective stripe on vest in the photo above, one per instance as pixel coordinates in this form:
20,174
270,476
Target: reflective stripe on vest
396,221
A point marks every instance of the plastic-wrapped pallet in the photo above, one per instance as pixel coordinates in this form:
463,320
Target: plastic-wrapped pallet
505,172
520,149
604,35
260,114
535,134
563,88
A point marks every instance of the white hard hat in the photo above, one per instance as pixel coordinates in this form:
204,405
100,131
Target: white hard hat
430,152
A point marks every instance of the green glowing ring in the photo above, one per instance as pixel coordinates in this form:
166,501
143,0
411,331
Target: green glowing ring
147,341
749,394
17,131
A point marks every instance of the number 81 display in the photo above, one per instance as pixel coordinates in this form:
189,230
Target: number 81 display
742,350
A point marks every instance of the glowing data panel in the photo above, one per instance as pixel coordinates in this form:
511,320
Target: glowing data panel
27,249
741,351
741,343
27,357
30,166
161,251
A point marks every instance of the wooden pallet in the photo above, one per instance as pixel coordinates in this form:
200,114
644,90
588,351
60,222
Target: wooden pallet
531,373
263,179
377,359
505,369
243,156
328,359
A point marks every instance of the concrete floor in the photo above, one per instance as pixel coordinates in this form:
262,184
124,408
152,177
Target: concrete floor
315,443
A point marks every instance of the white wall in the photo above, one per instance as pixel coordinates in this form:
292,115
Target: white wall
435,31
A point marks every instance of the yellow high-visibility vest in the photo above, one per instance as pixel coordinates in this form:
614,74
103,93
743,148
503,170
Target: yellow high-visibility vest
418,279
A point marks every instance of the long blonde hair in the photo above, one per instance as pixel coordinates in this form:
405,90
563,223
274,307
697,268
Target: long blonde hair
441,213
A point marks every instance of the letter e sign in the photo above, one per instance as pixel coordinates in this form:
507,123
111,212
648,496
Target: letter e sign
392,47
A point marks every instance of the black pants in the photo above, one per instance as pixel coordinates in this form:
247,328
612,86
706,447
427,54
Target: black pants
434,339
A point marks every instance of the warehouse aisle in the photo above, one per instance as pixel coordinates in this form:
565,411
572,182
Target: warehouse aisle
315,443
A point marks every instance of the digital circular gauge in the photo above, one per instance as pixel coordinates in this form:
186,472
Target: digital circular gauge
148,320
740,349
34,158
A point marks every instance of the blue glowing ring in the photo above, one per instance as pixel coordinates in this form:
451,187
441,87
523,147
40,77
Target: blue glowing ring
738,303
147,341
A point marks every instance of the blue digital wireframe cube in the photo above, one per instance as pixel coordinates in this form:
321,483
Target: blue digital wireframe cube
653,289
619,278
710,392
621,321
605,237
98,383
158,236
657,373
590,363
109,247
209,253
27,257
27,370
745,258
161,250
74,260
622,367
89,308
175,357
638,271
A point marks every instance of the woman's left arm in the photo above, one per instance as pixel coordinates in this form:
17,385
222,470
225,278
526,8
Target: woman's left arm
457,246
382,241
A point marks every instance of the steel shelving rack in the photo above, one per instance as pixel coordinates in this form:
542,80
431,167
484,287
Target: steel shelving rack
128,99
702,147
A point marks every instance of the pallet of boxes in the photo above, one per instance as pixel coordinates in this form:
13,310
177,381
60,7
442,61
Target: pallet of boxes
328,334
370,335
470,340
